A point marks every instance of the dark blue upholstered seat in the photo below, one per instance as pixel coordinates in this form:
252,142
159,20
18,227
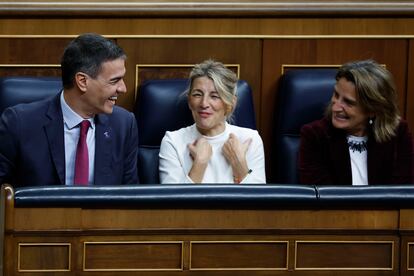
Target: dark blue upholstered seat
381,196
302,98
194,196
162,106
15,90
210,196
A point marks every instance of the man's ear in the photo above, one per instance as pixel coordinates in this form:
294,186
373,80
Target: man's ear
81,80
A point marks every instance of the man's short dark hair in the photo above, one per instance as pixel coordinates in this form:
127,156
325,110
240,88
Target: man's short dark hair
86,53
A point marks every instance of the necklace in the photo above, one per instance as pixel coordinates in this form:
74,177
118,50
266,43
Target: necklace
359,146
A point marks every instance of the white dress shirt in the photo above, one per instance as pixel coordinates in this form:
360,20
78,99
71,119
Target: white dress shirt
71,121
358,157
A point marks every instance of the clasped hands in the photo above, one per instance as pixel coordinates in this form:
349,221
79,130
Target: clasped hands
233,150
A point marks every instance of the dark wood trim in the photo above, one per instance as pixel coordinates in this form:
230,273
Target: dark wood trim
275,8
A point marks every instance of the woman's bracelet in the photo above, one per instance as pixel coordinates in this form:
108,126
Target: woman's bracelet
238,180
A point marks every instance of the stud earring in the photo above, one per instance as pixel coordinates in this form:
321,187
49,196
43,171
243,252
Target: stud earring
370,122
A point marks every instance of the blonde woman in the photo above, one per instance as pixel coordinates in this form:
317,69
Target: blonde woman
212,150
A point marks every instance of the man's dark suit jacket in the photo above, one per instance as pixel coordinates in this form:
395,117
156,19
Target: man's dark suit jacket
32,145
324,156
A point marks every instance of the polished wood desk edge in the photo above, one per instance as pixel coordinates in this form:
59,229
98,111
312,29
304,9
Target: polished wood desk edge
206,9
89,218
17,239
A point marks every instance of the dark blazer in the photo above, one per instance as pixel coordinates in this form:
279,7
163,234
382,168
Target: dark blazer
32,145
324,156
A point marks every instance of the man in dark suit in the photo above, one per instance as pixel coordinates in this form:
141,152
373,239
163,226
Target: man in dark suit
40,142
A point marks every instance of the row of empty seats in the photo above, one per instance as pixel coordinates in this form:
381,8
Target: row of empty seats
161,106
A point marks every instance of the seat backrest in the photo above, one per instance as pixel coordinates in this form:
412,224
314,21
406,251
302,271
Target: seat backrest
15,90
162,106
302,98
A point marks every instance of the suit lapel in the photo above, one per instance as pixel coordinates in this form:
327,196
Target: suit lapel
341,160
55,136
103,146
377,161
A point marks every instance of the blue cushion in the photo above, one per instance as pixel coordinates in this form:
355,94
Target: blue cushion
209,196
15,90
302,98
382,196
206,196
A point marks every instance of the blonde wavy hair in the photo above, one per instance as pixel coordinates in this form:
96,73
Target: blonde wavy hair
225,82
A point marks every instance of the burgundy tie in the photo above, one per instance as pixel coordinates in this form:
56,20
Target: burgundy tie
82,158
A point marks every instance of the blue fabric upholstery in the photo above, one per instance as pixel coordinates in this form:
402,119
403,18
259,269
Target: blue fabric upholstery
302,98
210,196
204,196
162,107
381,196
15,90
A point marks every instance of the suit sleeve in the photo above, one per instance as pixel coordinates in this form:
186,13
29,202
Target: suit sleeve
313,165
403,157
130,175
8,145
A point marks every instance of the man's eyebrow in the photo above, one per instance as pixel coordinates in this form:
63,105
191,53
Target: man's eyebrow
115,78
